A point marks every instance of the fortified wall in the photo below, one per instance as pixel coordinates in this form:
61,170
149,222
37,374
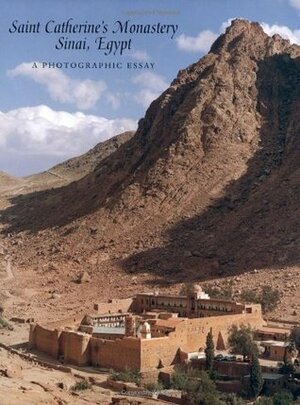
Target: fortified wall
82,349
119,354
189,335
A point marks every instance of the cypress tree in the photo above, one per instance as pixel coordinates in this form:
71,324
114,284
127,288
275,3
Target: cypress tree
209,351
256,380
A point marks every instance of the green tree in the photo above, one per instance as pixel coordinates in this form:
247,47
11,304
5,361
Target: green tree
283,398
269,298
154,387
288,368
188,289
249,296
256,380
202,391
209,351
240,341
179,380
295,337
225,291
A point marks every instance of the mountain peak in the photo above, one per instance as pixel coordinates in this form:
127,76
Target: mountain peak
239,32
247,37
239,25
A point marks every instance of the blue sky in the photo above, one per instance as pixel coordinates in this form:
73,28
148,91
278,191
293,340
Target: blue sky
48,115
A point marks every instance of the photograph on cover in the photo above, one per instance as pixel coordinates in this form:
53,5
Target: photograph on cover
149,202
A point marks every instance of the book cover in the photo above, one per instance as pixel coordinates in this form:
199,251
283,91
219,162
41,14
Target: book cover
149,188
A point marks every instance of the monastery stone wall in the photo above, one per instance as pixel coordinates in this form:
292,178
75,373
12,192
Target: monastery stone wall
119,354
135,353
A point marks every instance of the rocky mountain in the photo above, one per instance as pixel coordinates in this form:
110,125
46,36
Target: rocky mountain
6,179
7,183
65,172
79,166
207,187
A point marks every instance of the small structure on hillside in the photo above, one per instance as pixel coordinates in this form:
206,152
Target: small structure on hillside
278,351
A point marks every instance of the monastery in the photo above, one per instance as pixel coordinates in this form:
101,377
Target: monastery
147,332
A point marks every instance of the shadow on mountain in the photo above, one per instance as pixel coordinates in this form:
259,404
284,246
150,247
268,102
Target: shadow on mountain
257,222
56,207
255,225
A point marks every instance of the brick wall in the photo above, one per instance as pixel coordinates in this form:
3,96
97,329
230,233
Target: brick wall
159,352
44,340
73,346
76,348
198,328
233,369
119,354
277,353
141,354
190,336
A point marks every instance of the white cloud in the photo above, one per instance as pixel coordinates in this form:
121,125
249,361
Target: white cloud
145,97
295,4
200,43
227,23
114,100
151,85
84,94
150,80
203,40
57,135
292,35
139,55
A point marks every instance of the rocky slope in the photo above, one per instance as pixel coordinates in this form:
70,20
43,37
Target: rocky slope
65,172
24,382
208,186
7,181
79,166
